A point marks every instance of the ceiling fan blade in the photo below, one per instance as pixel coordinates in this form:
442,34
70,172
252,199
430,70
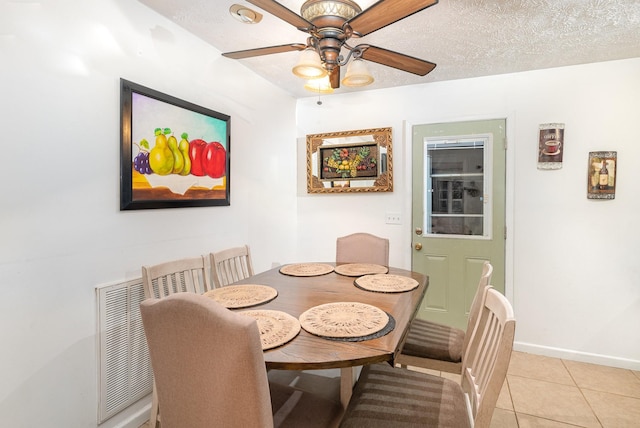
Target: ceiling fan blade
287,15
397,60
265,51
386,12
334,77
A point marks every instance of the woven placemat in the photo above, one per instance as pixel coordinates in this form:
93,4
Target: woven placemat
359,269
344,320
276,327
306,269
386,283
242,296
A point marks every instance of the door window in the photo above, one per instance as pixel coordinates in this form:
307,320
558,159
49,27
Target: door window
456,187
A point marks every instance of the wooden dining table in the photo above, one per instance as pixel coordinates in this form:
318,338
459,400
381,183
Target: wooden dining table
308,351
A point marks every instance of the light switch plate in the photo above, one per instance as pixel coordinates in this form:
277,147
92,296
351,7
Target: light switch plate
393,218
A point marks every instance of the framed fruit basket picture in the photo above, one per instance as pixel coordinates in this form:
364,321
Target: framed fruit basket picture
350,161
173,153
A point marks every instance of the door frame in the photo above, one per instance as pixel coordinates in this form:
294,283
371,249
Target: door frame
407,139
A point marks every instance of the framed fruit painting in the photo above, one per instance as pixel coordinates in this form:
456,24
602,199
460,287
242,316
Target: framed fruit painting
173,153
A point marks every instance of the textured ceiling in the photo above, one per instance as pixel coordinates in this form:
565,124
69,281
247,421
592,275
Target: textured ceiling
465,38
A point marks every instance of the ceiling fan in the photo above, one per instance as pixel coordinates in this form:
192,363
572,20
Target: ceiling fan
330,24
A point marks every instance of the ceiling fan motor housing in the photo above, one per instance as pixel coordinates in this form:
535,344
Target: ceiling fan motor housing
345,9
328,18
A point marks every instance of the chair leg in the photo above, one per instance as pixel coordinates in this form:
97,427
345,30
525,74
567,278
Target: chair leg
153,417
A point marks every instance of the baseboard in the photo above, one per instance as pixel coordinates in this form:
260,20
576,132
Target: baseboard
139,417
585,357
132,417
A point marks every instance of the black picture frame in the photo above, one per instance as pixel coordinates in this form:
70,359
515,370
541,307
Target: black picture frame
360,161
150,118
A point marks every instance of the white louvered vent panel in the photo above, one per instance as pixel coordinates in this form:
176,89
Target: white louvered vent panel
125,373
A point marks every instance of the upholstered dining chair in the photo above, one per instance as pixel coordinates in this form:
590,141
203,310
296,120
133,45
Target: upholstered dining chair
188,275
436,346
385,396
362,248
210,371
231,265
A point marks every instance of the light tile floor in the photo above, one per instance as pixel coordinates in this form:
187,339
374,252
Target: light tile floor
544,392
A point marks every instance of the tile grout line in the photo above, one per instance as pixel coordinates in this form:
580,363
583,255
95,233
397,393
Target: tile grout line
513,405
581,392
548,419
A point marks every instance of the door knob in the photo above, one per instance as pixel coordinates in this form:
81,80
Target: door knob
418,246
418,231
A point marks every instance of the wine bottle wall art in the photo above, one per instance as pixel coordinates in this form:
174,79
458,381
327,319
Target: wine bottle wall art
601,177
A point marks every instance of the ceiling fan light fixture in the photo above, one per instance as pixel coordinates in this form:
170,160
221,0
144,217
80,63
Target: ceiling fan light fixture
244,14
321,85
357,74
309,65
330,25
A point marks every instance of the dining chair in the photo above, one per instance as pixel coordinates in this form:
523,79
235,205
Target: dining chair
385,396
210,370
190,275
231,265
362,248
436,346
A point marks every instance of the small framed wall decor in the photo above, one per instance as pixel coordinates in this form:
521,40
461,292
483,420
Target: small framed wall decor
550,146
601,178
350,161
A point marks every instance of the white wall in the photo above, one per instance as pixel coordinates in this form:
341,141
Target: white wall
572,270
62,233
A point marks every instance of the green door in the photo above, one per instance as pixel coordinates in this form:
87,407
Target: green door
458,213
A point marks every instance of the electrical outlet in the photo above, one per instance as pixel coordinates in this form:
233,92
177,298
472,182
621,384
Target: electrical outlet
393,218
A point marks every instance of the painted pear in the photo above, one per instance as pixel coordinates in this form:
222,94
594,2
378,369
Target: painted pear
184,149
178,158
160,157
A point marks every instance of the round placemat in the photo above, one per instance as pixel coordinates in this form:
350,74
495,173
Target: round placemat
276,327
359,269
306,269
386,283
242,296
344,319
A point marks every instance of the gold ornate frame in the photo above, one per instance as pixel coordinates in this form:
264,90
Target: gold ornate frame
373,141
